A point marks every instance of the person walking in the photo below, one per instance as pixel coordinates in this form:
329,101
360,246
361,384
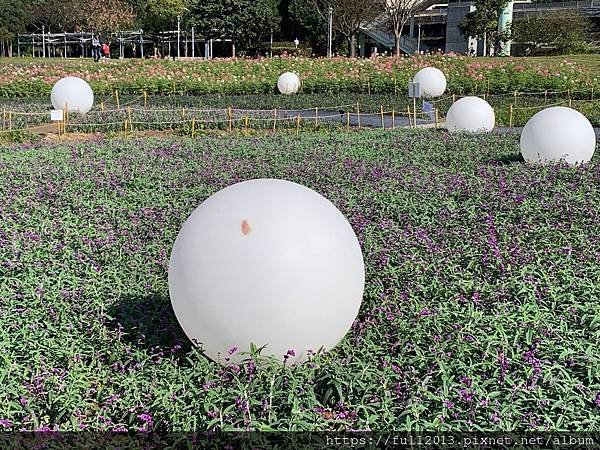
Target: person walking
96,48
106,50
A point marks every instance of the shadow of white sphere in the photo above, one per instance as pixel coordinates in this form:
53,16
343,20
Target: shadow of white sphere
73,92
288,83
558,134
268,262
470,114
432,81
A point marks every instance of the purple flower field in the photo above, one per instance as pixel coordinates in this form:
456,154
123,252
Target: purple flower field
481,306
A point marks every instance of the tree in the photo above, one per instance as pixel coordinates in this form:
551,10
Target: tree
14,19
306,17
398,13
553,32
161,15
483,22
348,16
246,22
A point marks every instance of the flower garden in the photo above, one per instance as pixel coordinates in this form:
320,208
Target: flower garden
480,309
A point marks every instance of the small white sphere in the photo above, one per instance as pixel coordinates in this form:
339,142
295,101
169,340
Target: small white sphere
288,83
268,262
73,92
471,114
556,134
432,81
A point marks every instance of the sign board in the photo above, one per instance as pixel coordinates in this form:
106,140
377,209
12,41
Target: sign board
56,115
414,90
428,109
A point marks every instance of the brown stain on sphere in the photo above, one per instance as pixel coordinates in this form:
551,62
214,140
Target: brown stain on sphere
246,229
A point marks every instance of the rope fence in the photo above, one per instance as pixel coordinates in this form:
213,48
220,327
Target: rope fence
136,114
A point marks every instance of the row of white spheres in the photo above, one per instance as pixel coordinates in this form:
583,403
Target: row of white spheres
72,94
266,262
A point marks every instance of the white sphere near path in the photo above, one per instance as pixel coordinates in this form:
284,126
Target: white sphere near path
558,134
268,262
73,92
288,83
470,114
432,81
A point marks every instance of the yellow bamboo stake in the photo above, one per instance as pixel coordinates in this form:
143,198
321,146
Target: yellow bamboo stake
382,120
358,114
274,119
246,123
117,99
145,99
437,119
546,96
348,121
316,118
510,117
453,98
129,117
515,98
409,116
393,119
297,124
230,119
193,127
484,95
183,113
102,106
415,111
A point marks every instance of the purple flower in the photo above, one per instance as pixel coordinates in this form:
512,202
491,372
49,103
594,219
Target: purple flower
5,423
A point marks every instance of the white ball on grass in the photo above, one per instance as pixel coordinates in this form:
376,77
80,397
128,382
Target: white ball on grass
288,83
268,262
558,134
73,92
470,114
432,81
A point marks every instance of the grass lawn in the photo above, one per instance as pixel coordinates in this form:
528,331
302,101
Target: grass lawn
480,309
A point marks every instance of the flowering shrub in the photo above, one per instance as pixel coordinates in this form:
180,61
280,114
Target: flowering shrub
480,308
252,76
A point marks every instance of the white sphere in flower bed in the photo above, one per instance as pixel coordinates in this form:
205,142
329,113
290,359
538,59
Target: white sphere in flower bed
470,114
288,83
73,92
558,134
432,82
270,263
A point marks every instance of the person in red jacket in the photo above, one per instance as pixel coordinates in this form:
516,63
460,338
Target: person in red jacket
106,50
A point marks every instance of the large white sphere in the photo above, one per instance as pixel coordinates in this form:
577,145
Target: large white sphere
268,262
73,92
556,134
471,114
288,83
432,81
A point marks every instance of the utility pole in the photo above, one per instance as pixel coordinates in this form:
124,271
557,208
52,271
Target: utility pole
43,41
419,40
330,33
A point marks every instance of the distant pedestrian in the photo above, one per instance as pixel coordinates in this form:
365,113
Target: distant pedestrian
106,50
96,48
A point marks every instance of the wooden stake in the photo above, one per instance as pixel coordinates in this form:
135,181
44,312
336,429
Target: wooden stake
274,119
453,98
230,119
415,111
382,120
393,119
510,116
515,98
145,99
358,114
348,121
117,99
316,118
129,117
409,116
193,127
183,113
437,119
297,124
546,96
246,123
102,106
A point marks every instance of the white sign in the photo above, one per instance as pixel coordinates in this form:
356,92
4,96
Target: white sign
56,114
414,90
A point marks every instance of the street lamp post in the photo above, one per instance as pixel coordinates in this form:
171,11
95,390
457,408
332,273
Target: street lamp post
43,41
419,40
178,33
330,33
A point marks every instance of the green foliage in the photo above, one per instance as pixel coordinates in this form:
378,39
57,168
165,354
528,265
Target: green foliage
484,20
556,32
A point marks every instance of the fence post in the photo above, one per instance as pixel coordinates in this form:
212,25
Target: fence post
409,116
437,120
393,119
515,98
382,121
569,94
145,99
9,120
230,119
246,123
510,116
545,96
193,127
415,111
102,106
183,113
274,119
348,121
358,114
117,99
316,118
298,124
